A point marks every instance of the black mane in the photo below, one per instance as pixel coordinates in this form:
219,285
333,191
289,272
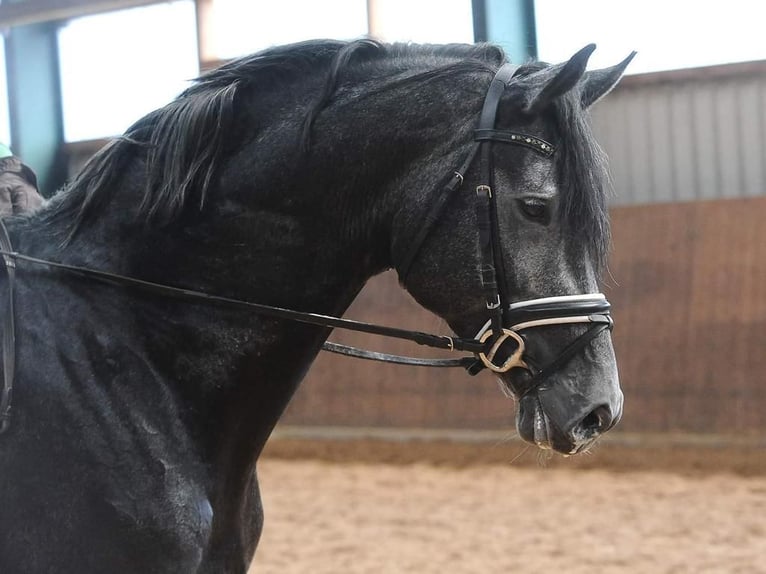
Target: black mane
583,179
183,141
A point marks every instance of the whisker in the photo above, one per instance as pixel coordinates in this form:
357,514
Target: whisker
522,453
589,450
610,278
543,456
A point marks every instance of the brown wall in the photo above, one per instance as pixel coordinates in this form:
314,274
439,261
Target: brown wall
691,308
689,297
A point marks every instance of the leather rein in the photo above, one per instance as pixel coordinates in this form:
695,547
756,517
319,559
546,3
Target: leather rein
506,321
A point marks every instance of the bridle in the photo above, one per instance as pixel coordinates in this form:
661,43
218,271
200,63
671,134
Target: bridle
506,320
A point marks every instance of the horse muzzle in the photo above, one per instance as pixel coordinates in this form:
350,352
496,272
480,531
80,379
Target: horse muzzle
565,404
542,421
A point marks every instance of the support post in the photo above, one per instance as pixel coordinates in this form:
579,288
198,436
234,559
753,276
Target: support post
34,101
508,23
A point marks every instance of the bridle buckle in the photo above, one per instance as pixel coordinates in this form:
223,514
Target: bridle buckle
514,361
485,189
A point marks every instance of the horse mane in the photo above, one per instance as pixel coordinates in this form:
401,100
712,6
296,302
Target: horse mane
584,178
181,143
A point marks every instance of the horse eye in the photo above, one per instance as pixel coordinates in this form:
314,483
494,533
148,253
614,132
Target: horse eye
535,209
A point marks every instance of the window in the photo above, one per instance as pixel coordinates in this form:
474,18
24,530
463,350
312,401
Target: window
423,21
117,67
667,35
5,122
242,27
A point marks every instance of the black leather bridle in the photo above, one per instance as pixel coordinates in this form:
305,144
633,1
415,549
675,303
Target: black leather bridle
506,320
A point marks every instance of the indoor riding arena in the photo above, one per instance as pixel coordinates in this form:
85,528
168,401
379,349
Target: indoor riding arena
390,469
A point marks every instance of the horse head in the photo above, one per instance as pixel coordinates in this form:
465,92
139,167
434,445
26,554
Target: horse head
550,220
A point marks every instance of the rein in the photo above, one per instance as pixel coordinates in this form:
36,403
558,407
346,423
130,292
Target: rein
10,257
9,333
506,321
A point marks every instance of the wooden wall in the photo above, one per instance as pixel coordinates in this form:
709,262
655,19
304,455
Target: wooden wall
689,296
691,312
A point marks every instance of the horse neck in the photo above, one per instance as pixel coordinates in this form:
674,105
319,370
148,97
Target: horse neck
221,367
222,364
297,231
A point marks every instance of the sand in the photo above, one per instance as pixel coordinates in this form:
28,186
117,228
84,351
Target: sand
429,513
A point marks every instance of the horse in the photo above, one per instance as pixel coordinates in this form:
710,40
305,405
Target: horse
285,180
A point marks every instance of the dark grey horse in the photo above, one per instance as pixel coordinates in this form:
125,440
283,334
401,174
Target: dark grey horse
288,178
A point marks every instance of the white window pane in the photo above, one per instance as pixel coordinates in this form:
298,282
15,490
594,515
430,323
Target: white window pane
242,27
117,67
667,35
5,123
423,21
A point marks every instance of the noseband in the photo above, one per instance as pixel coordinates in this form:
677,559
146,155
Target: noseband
506,321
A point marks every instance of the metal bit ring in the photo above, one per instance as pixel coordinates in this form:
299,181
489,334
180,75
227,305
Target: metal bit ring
515,360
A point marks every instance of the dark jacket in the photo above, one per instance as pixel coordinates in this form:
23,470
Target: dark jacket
18,188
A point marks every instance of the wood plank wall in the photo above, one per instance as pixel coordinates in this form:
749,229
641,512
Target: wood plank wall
691,307
689,296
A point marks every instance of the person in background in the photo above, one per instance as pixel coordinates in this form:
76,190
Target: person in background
18,185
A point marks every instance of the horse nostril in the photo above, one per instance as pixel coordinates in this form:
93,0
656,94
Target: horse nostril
599,420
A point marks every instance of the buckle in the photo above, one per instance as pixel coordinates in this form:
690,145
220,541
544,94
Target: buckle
484,189
515,360
492,305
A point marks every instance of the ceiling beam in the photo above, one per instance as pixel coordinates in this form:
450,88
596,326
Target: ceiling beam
37,11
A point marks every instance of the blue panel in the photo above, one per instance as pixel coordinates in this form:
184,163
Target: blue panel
509,23
33,97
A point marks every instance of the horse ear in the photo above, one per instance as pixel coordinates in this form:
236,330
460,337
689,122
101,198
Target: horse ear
598,83
555,80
